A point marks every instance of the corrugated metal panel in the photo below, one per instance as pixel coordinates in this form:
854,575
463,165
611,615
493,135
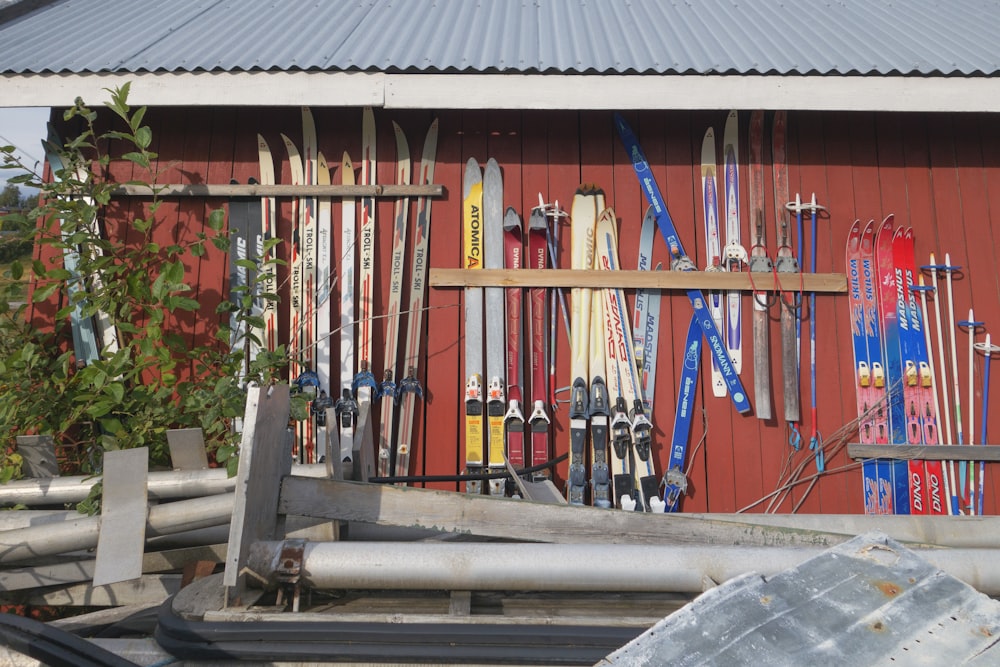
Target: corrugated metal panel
949,37
869,601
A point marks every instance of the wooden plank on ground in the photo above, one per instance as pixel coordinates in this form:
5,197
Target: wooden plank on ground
265,458
523,520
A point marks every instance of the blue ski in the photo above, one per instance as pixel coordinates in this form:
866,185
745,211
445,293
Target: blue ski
675,479
681,262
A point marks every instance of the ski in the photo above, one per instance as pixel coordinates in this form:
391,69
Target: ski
346,406
583,218
255,243
760,263
635,448
734,255
307,235
680,261
859,262
785,262
324,280
496,403
891,353
296,327
363,384
646,318
599,406
387,388
238,277
538,420
924,380
409,387
675,480
713,247
268,210
472,216
513,247
910,378
83,328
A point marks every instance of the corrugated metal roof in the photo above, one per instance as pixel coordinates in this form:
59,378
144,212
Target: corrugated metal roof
842,37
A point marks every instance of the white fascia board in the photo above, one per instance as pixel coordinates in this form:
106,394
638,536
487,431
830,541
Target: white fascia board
332,89
512,91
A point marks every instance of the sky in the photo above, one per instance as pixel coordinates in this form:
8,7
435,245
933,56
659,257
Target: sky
23,128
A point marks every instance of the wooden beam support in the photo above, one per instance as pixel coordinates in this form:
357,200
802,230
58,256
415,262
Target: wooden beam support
924,452
237,190
484,516
835,283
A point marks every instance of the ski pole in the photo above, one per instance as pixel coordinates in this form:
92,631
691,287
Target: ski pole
952,490
815,440
967,476
958,490
987,349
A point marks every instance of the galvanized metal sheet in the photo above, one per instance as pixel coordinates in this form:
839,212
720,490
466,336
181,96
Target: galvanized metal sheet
39,455
868,601
187,449
122,540
954,37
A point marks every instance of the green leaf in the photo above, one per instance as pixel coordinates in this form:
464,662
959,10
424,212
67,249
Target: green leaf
117,391
140,159
217,219
43,293
174,272
143,137
16,270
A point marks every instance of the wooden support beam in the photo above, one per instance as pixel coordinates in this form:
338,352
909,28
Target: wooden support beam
835,283
524,520
265,456
237,190
924,452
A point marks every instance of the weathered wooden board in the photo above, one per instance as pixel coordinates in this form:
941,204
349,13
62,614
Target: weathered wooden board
716,280
924,452
521,519
264,458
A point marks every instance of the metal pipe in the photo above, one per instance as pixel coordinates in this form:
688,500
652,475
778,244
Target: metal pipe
566,567
162,485
45,540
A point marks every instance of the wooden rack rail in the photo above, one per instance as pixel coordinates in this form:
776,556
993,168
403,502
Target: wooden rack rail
835,283
924,452
240,190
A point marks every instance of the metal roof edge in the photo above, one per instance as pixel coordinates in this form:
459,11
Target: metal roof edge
515,91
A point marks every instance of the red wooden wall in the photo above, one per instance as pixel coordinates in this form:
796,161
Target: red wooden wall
937,173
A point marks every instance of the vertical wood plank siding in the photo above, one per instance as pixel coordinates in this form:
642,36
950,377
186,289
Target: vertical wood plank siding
938,173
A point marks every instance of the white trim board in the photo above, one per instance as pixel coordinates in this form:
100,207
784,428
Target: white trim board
512,91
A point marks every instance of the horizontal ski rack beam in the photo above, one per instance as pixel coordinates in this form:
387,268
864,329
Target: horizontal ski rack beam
924,452
596,279
239,190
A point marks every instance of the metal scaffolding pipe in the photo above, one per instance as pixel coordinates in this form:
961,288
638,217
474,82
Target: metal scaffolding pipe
162,485
566,567
56,538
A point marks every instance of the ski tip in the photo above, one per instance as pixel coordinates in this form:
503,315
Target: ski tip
511,220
